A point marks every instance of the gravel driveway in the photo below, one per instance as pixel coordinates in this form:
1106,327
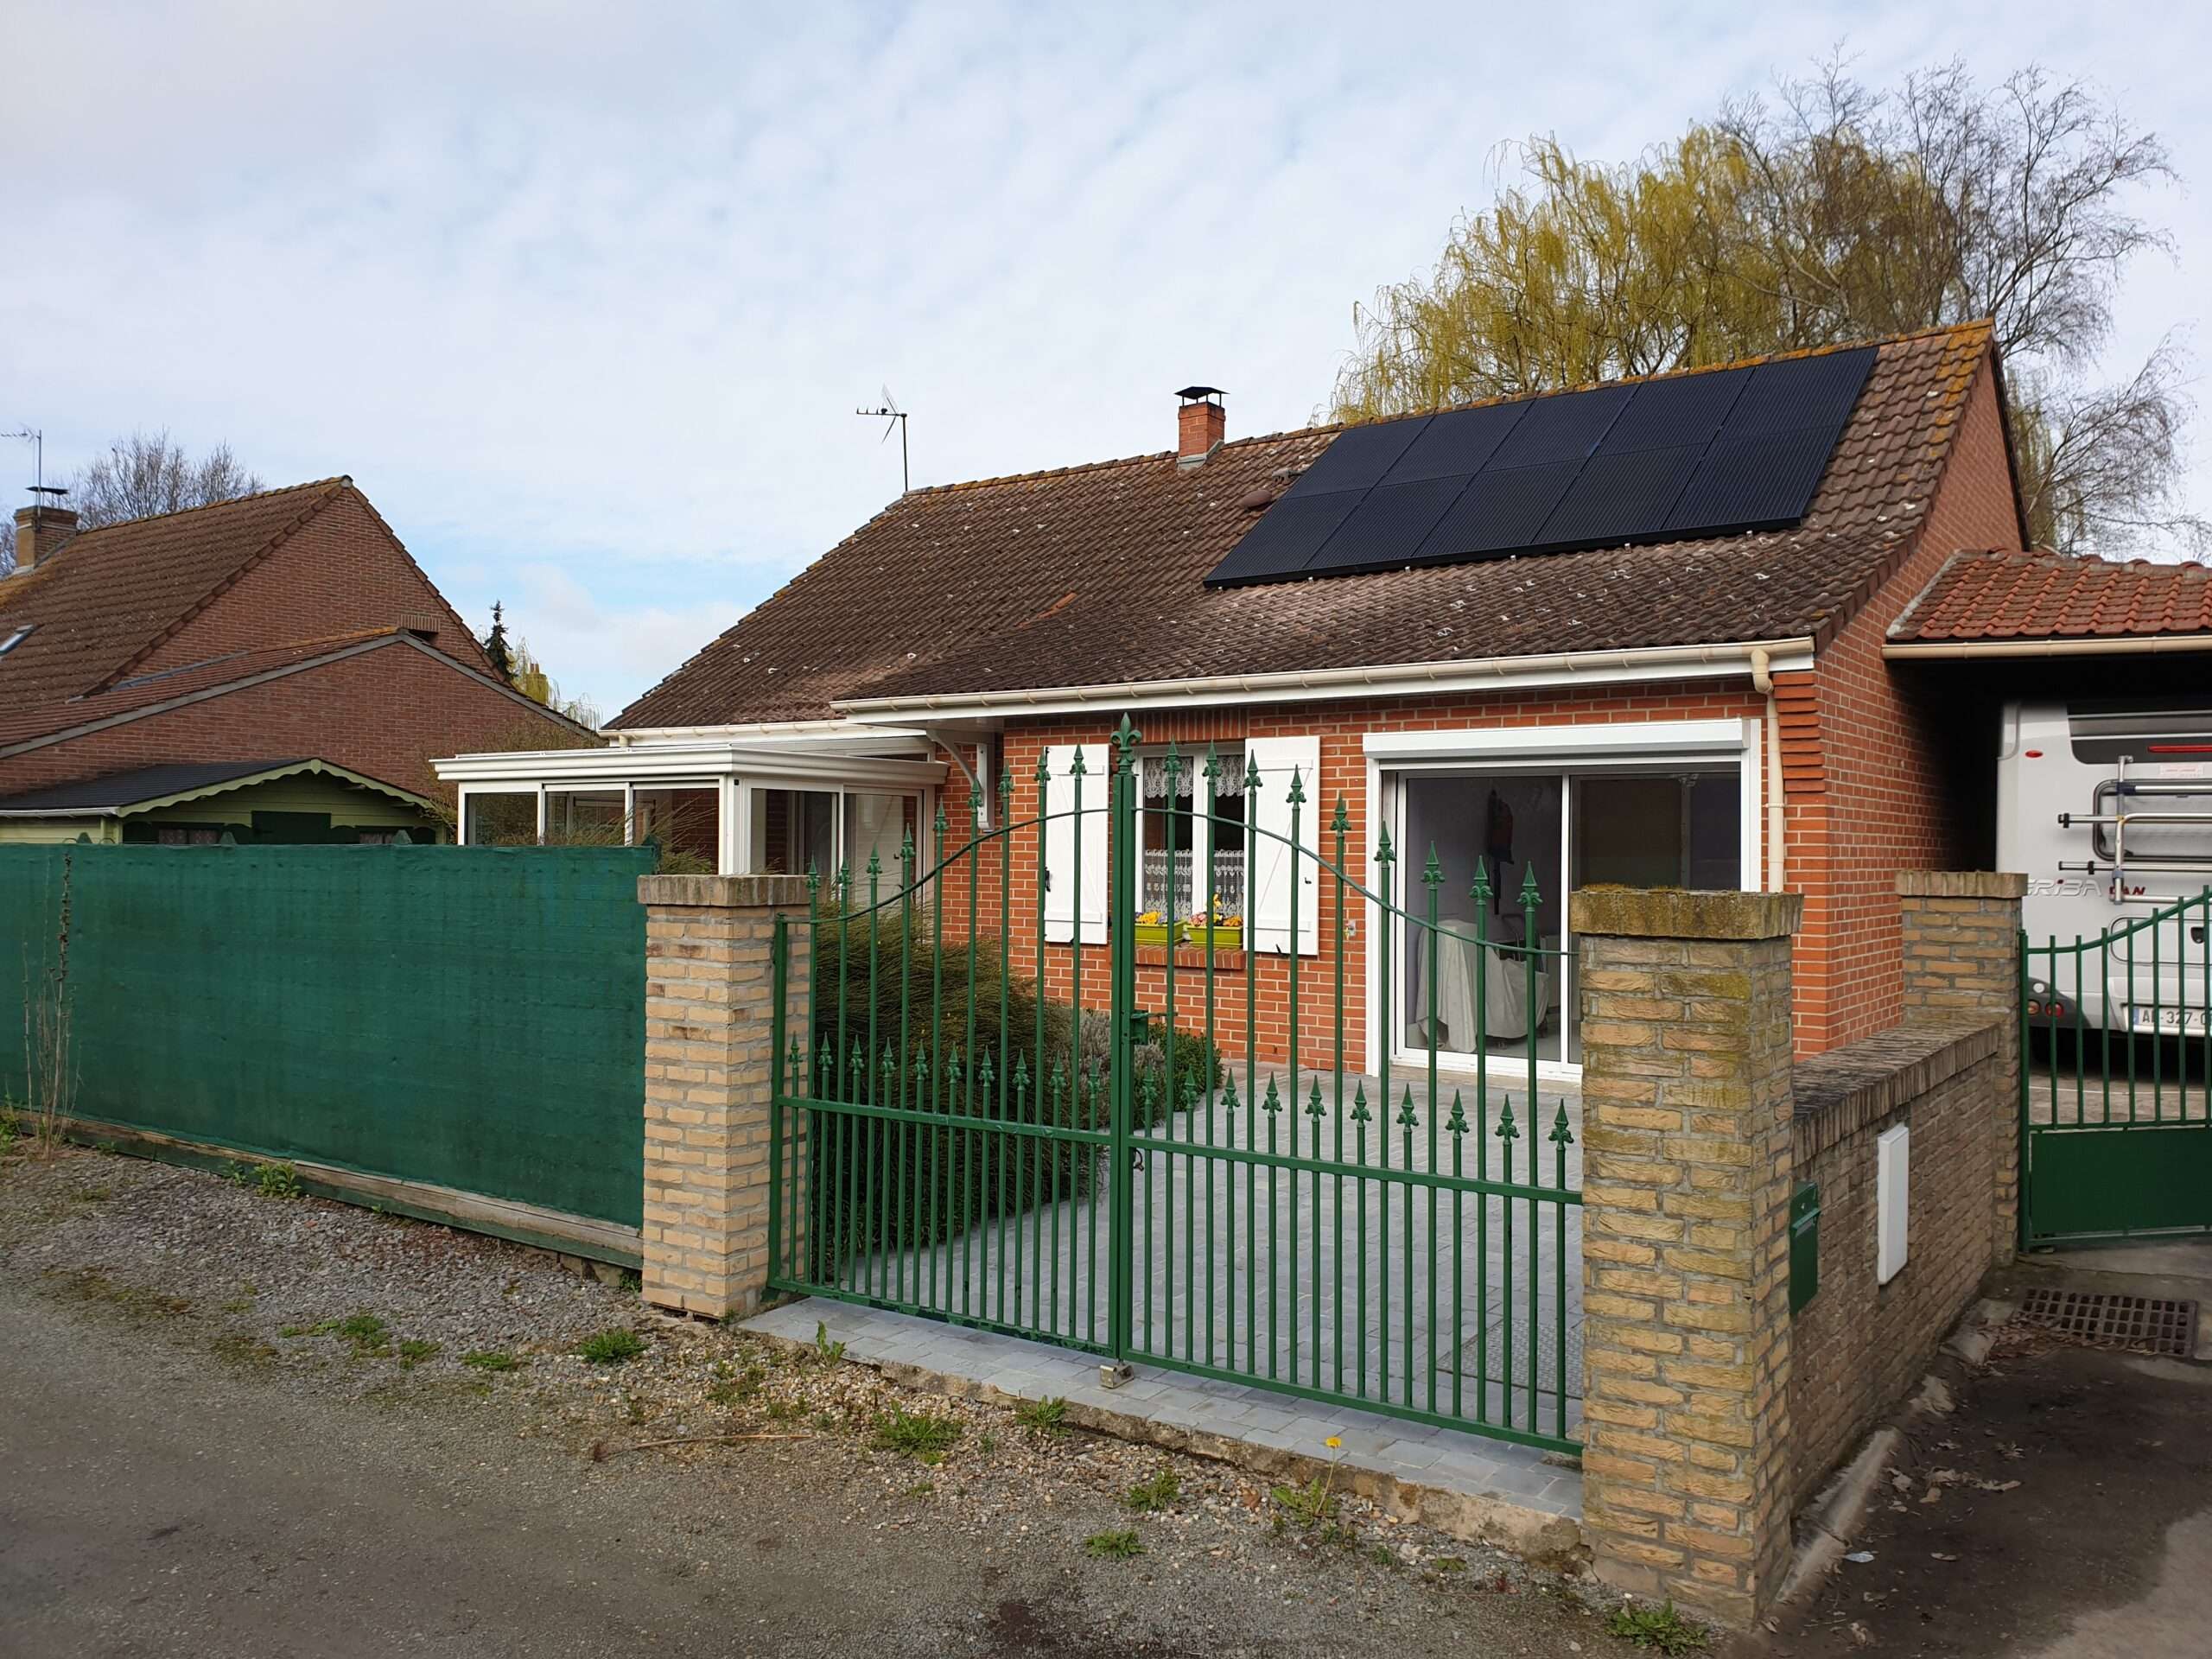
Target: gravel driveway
251,1424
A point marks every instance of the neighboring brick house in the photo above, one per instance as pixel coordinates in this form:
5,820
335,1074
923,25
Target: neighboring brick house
1709,711
285,625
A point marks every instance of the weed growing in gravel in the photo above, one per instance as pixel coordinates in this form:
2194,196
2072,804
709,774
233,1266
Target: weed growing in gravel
1157,1493
1114,1546
827,1351
1449,1563
249,1352
1307,1506
367,1332
8,1133
918,1435
783,1411
613,1346
270,1180
490,1359
90,1285
736,1391
1045,1417
242,1302
414,1351
1660,1629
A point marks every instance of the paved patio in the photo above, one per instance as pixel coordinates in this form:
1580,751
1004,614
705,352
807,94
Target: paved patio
1356,1278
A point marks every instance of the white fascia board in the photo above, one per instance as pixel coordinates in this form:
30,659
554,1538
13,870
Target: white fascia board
698,764
836,735
1408,679
1623,737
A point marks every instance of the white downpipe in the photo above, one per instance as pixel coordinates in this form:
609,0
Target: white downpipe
1763,682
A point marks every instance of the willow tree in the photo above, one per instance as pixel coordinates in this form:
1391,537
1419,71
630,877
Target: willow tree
1833,212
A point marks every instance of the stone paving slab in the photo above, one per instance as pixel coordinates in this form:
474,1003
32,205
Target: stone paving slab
1468,1485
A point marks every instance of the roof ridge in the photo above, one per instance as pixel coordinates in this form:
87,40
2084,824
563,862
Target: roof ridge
1977,325
210,506
328,489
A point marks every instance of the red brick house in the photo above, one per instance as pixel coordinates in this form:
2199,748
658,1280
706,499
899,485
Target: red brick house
236,641
1561,694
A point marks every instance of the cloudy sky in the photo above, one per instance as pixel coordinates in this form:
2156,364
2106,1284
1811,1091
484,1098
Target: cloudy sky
584,296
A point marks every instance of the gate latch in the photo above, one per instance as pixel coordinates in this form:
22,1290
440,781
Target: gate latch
1141,1026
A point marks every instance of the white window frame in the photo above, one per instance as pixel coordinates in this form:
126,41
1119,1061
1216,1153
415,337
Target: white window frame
1154,824
1568,749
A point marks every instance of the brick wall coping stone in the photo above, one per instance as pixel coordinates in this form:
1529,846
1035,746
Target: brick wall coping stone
1961,884
1675,914
1847,1089
721,892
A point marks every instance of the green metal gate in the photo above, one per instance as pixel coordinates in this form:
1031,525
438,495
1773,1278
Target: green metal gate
2116,1078
1098,1156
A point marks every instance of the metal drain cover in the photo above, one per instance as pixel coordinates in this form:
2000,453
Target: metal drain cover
2142,1322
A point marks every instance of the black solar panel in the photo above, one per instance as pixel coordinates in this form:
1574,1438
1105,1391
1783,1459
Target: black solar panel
1501,512
1285,539
1620,498
1711,454
1358,456
1566,427
1800,392
1666,414
1753,483
1458,444
1388,524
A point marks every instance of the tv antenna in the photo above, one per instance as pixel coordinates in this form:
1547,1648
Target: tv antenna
36,439
891,414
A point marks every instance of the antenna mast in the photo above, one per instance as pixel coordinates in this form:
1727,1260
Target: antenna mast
892,416
36,439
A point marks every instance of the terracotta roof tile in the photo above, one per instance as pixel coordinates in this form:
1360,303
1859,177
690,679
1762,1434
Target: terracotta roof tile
110,594
1095,575
1999,595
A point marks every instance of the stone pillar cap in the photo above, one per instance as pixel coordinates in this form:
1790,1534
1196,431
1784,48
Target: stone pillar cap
1675,914
723,891
1960,884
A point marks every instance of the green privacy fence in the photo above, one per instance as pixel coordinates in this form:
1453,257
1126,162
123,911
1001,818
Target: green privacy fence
472,1018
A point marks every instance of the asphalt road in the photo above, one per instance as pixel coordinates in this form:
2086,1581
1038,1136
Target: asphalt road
156,1500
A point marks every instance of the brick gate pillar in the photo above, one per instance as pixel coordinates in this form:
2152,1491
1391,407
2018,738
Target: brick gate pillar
1963,958
1686,1162
710,1055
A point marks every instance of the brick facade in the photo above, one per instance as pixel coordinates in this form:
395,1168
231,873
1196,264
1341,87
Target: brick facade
1877,767
708,1055
1874,778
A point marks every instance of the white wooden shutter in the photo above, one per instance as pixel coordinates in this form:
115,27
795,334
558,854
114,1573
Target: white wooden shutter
1063,904
1269,882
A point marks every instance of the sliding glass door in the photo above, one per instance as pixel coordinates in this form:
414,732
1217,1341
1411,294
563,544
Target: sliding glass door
1502,974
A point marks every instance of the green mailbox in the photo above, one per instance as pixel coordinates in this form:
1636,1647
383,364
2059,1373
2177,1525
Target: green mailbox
1804,1245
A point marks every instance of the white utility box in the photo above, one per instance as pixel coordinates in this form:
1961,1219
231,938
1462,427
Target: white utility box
1893,1202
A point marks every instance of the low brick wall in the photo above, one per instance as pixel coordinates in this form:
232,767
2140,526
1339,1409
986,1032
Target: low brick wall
1858,1347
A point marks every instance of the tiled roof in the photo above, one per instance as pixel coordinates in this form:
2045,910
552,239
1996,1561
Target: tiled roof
110,594
40,720
1095,575
2056,596
121,789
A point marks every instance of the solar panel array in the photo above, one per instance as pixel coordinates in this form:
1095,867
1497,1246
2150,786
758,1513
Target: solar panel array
1699,454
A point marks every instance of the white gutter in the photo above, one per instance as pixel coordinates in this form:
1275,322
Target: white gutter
1962,650
1404,679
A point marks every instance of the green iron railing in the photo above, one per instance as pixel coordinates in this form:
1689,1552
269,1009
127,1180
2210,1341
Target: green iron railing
2116,1078
1114,1168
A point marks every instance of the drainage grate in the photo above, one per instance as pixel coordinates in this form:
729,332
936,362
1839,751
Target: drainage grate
2142,1322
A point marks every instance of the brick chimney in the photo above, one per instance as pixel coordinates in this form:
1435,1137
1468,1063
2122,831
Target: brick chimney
41,532
1199,422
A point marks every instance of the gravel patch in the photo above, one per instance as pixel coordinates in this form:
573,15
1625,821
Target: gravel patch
268,1282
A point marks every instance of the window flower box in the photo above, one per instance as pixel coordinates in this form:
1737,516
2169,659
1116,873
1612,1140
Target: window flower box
1155,929
1218,931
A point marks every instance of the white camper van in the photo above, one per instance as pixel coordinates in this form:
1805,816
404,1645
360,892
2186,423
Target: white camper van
2106,806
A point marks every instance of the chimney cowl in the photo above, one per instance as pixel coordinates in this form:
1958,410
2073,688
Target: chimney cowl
41,531
1200,423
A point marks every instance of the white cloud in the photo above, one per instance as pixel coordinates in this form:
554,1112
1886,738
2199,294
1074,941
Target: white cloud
584,296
